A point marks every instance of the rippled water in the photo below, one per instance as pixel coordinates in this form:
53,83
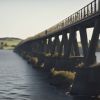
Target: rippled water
19,81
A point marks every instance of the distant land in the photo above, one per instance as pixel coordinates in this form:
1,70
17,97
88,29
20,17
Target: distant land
9,43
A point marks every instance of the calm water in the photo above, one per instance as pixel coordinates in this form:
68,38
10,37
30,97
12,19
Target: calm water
19,81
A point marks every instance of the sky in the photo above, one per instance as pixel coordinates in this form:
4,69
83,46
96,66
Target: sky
25,18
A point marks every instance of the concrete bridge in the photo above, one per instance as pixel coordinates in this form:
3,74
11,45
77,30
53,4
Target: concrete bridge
57,47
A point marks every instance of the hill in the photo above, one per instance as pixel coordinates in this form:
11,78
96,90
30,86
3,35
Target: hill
9,43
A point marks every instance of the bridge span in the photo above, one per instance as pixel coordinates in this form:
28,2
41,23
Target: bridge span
57,47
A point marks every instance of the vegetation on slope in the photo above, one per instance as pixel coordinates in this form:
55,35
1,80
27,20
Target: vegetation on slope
9,43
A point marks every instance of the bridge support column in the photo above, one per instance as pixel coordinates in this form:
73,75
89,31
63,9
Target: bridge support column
37,46
99,5
73,49
53,46
44,46
84,40
49,45
91,58
57,45
69,45
65,43
75,44
87,79
28,48
34,47
60,48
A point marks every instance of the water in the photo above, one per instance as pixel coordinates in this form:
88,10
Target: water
20,81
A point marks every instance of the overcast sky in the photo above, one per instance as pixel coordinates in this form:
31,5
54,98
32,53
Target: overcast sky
25,18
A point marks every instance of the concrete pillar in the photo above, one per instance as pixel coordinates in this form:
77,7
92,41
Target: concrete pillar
34,46
45,46
57,45
87,79
53,46
91,58
42,46
37,46
49,45
99,5
75,45
63,45
84,40
36,49
72,52
28,47
72,44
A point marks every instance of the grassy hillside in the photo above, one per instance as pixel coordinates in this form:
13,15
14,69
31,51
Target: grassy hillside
9,43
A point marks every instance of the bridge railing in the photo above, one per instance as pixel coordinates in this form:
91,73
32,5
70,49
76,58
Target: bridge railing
83,13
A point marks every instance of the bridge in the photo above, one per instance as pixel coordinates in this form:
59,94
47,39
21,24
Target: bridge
57,47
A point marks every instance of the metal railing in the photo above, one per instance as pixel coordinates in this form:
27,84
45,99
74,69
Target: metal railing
83,13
